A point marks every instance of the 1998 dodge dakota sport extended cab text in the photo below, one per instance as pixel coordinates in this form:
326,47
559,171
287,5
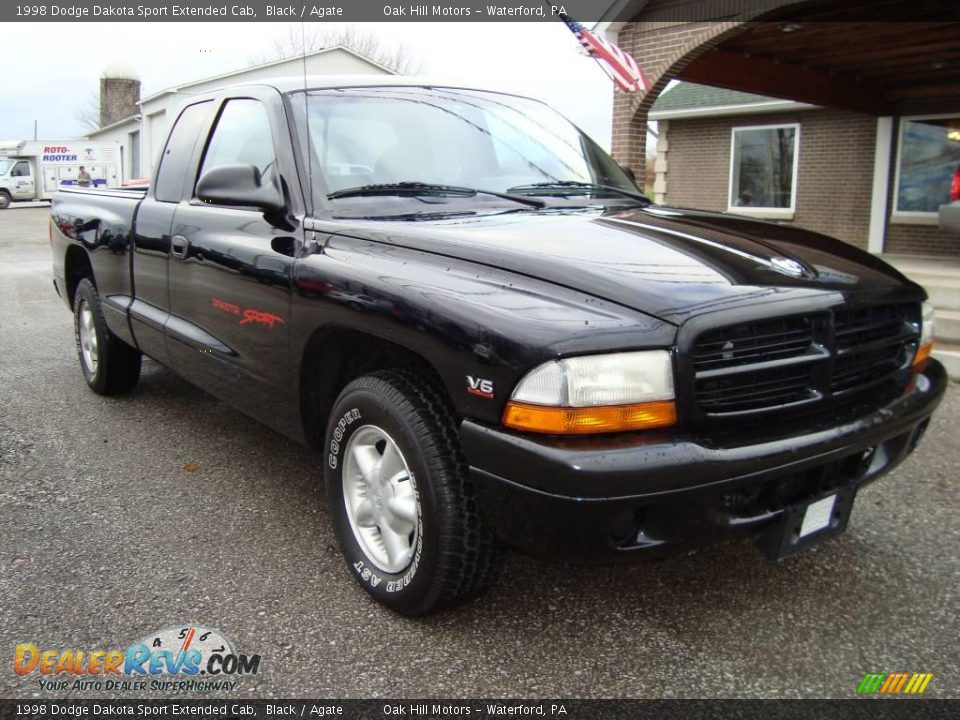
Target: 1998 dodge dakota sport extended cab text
491,336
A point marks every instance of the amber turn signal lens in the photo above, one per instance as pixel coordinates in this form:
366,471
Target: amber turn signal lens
589,420
923,352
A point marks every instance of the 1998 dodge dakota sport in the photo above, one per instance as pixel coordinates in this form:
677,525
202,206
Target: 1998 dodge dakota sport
491,336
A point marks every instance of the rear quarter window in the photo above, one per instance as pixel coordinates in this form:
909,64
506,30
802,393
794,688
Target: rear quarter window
178,152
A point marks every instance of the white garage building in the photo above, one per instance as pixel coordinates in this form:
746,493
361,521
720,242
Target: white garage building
141,133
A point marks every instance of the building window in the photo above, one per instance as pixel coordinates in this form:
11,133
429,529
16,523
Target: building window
763,170
928,156
135,155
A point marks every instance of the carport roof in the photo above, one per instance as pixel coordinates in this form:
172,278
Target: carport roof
688,99
905,61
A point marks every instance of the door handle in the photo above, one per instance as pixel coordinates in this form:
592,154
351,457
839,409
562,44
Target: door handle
179,246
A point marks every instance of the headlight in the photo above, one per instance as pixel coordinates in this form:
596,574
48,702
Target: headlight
925,346
595,394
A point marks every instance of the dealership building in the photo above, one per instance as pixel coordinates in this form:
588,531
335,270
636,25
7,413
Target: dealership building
808,114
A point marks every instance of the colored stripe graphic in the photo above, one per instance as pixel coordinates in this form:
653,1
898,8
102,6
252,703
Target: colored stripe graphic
894,683
890,682
927,677
900,682
871,683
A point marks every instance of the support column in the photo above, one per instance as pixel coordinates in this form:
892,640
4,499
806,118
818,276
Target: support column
660,165
881,177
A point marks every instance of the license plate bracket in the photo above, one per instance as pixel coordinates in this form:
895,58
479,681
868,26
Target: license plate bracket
807,523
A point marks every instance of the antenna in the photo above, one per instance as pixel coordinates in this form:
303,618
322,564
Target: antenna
306,118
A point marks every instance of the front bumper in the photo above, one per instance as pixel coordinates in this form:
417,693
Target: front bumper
658,492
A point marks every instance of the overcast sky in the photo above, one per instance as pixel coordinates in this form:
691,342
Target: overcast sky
58,65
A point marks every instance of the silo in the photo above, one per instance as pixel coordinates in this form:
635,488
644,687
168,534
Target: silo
119,92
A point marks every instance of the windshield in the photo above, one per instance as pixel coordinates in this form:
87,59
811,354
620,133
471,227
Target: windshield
466,138
5,166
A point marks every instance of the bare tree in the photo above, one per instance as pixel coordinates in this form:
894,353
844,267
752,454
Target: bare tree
300,39
87,113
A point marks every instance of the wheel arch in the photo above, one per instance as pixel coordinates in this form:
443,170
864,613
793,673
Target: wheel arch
76,267
335,355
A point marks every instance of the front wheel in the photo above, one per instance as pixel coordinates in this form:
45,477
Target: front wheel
402,505
5,199
109,365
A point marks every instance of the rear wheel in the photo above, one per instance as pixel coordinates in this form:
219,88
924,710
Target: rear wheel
402,505
5,200
109,365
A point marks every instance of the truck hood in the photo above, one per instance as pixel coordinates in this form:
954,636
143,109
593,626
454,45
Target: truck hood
665,262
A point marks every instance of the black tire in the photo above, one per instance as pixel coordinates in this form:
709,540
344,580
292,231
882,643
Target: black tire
457,557
117,366
5,199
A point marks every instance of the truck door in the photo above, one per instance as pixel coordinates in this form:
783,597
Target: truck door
98,175
24,186
150,308
230,272
51,180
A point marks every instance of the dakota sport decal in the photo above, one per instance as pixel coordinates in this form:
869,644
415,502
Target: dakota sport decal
249,315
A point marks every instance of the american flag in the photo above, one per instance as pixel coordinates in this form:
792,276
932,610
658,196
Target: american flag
622,68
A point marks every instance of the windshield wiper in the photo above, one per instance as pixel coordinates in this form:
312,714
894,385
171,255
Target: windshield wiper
576,185
419,188
412,216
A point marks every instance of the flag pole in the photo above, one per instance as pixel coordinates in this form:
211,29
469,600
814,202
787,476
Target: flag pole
606,71
599,61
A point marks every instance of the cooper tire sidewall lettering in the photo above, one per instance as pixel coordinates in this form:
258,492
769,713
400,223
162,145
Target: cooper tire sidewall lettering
86,296
78,307
415,578
374,577
335,442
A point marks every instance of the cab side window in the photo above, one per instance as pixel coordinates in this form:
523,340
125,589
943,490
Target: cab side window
241,137
21,169
177,154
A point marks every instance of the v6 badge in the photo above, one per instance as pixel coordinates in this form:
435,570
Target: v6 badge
480,387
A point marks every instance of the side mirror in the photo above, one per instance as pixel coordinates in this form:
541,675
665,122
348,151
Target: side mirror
240,185
629,173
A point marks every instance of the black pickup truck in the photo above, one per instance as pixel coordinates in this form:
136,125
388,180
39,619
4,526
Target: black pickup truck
490,335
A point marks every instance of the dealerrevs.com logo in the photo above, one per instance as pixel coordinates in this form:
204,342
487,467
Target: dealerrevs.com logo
182,658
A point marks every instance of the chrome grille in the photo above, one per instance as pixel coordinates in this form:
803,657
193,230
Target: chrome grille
784,362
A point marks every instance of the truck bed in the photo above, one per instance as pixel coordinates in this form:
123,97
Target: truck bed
133,192
101,223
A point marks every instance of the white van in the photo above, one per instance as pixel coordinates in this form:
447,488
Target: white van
34,170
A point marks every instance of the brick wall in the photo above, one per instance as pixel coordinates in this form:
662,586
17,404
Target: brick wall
833,197
658,47
920,240
835,170
665,37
